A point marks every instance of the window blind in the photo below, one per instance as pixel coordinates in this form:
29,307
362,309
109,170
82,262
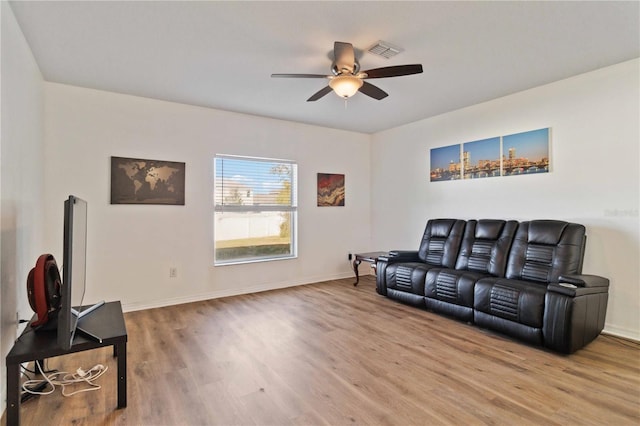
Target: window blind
243,184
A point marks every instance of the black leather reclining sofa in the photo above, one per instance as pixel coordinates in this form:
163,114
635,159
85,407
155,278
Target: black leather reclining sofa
520,279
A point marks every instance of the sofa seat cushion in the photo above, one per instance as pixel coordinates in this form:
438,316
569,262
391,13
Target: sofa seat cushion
514,300
450,292
408,277
451,285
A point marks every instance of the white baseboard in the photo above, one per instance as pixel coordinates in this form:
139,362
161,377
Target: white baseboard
216,294
625,333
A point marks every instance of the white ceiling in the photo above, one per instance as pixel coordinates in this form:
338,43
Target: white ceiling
221,54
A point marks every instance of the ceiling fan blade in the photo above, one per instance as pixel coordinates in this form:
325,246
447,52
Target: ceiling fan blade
344,56
373,91
395,71
320,93
299,76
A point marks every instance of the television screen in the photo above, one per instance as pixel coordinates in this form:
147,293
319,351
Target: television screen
73,268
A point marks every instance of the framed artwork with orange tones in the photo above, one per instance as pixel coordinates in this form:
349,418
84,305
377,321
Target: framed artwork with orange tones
330,190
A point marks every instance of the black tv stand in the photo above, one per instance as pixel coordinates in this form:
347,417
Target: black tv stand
106,322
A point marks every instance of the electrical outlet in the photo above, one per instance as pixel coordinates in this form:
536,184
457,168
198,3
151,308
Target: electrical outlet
173,272
350,256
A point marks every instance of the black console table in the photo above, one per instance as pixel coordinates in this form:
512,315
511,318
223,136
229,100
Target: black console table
106,322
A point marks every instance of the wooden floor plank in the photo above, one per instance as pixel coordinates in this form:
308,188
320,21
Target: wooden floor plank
333,354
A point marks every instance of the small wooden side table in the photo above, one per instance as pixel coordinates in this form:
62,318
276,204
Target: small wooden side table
106,322
371,257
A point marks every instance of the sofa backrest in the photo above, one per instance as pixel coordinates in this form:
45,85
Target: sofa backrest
485,246
542,250
441,242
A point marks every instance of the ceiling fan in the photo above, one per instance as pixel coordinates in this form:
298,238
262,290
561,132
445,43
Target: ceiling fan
347,79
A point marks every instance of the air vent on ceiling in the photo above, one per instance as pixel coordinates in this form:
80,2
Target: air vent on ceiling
384,49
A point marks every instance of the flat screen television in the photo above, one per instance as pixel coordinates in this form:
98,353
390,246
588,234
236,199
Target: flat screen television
73,268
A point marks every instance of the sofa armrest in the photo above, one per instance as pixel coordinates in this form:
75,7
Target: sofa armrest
575,311
584,280
579,285
396,256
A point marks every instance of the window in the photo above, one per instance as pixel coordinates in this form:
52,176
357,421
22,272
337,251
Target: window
255,209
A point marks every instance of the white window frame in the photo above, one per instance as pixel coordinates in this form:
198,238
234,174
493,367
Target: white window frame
292,208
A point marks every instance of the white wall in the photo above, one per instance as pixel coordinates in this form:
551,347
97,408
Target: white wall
131,247
21,178
594,180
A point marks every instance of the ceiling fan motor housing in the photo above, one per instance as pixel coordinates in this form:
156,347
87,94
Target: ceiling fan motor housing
338,69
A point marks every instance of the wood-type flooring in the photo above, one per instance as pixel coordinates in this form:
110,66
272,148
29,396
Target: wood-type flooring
334,354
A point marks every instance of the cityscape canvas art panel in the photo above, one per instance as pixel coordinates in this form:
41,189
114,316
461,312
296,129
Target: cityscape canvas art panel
526,153
445,163
330,190
138,181
481,159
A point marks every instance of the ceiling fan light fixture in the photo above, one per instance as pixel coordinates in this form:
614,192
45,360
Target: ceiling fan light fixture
345,86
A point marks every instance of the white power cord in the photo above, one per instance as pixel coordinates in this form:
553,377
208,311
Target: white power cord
67,379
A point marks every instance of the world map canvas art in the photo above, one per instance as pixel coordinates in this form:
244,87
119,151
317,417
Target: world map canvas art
138,181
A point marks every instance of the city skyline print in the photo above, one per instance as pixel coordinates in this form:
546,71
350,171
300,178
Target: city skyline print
511,155
526,153
445,163
481,159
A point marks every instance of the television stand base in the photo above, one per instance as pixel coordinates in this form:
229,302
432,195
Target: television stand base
88,334
88,310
